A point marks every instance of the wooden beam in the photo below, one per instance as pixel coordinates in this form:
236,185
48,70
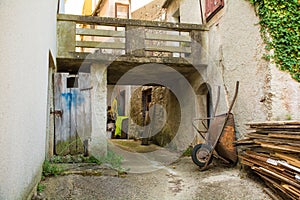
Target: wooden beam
171,49
280,147
100,33
100,45
284,136
168,37
272,123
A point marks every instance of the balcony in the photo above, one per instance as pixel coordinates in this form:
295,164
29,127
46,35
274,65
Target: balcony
126,43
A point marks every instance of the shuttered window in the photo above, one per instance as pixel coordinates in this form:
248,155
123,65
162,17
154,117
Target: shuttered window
212,7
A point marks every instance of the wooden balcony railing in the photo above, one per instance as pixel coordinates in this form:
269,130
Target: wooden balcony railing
78,35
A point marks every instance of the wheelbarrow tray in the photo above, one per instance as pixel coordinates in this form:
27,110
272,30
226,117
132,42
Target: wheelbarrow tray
219,138
225,146
221,135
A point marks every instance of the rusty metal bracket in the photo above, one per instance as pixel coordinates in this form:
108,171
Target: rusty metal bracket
57,112
84,89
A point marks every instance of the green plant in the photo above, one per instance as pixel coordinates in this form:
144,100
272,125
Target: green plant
280,30
113,159
92,159
40,187
56,159
80,158
188,151
288,117
50,169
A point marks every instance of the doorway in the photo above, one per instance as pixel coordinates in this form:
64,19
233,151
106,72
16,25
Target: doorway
72,104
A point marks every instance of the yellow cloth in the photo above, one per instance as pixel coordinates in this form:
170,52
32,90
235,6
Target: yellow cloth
87,8
119,120
114,108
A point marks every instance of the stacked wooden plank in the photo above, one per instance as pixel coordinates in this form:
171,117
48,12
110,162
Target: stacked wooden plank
272,150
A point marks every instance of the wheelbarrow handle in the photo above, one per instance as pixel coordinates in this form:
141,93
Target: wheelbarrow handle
235,95
202,121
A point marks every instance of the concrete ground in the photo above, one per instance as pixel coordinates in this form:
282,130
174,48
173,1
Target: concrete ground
150,178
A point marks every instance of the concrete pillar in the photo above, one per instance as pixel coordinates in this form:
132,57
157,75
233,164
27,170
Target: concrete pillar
135,40
98,141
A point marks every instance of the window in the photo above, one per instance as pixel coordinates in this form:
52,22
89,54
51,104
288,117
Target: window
122,10
212,7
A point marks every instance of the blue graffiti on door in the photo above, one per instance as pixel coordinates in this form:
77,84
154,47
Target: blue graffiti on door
73,98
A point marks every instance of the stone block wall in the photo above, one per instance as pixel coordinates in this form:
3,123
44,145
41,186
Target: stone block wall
165,98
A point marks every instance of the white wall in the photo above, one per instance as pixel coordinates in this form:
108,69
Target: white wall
28,31
74,7
235,54
189,11
285,95
235,51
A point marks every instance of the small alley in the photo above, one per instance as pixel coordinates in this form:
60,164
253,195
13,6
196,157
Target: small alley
153,180
150,99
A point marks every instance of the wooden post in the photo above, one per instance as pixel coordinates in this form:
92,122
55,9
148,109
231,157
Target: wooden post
62,107
66,37
135,40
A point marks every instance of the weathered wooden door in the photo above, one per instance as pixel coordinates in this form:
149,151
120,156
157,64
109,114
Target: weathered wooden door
72,112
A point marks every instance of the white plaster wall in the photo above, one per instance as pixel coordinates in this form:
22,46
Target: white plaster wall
235,54
190,12
28,31
285,93
235,51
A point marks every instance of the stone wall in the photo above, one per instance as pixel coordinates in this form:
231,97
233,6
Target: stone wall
165,98
152,11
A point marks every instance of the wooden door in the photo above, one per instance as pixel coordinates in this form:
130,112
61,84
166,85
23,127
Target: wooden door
73,112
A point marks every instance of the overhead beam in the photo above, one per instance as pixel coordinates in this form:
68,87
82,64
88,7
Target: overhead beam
107,21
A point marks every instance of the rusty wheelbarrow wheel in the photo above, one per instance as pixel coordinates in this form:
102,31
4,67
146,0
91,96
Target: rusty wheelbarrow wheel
200,154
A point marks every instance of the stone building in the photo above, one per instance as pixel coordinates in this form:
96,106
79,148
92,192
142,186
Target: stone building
232,49
225,47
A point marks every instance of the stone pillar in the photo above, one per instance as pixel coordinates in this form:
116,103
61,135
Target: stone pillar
98,141
66,37
199,48
135,40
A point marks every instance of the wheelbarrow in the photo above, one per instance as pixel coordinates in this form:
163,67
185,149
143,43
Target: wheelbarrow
218,137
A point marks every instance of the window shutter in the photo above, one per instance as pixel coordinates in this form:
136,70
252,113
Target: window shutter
212,7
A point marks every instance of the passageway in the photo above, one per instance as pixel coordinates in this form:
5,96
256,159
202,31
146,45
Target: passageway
179,180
